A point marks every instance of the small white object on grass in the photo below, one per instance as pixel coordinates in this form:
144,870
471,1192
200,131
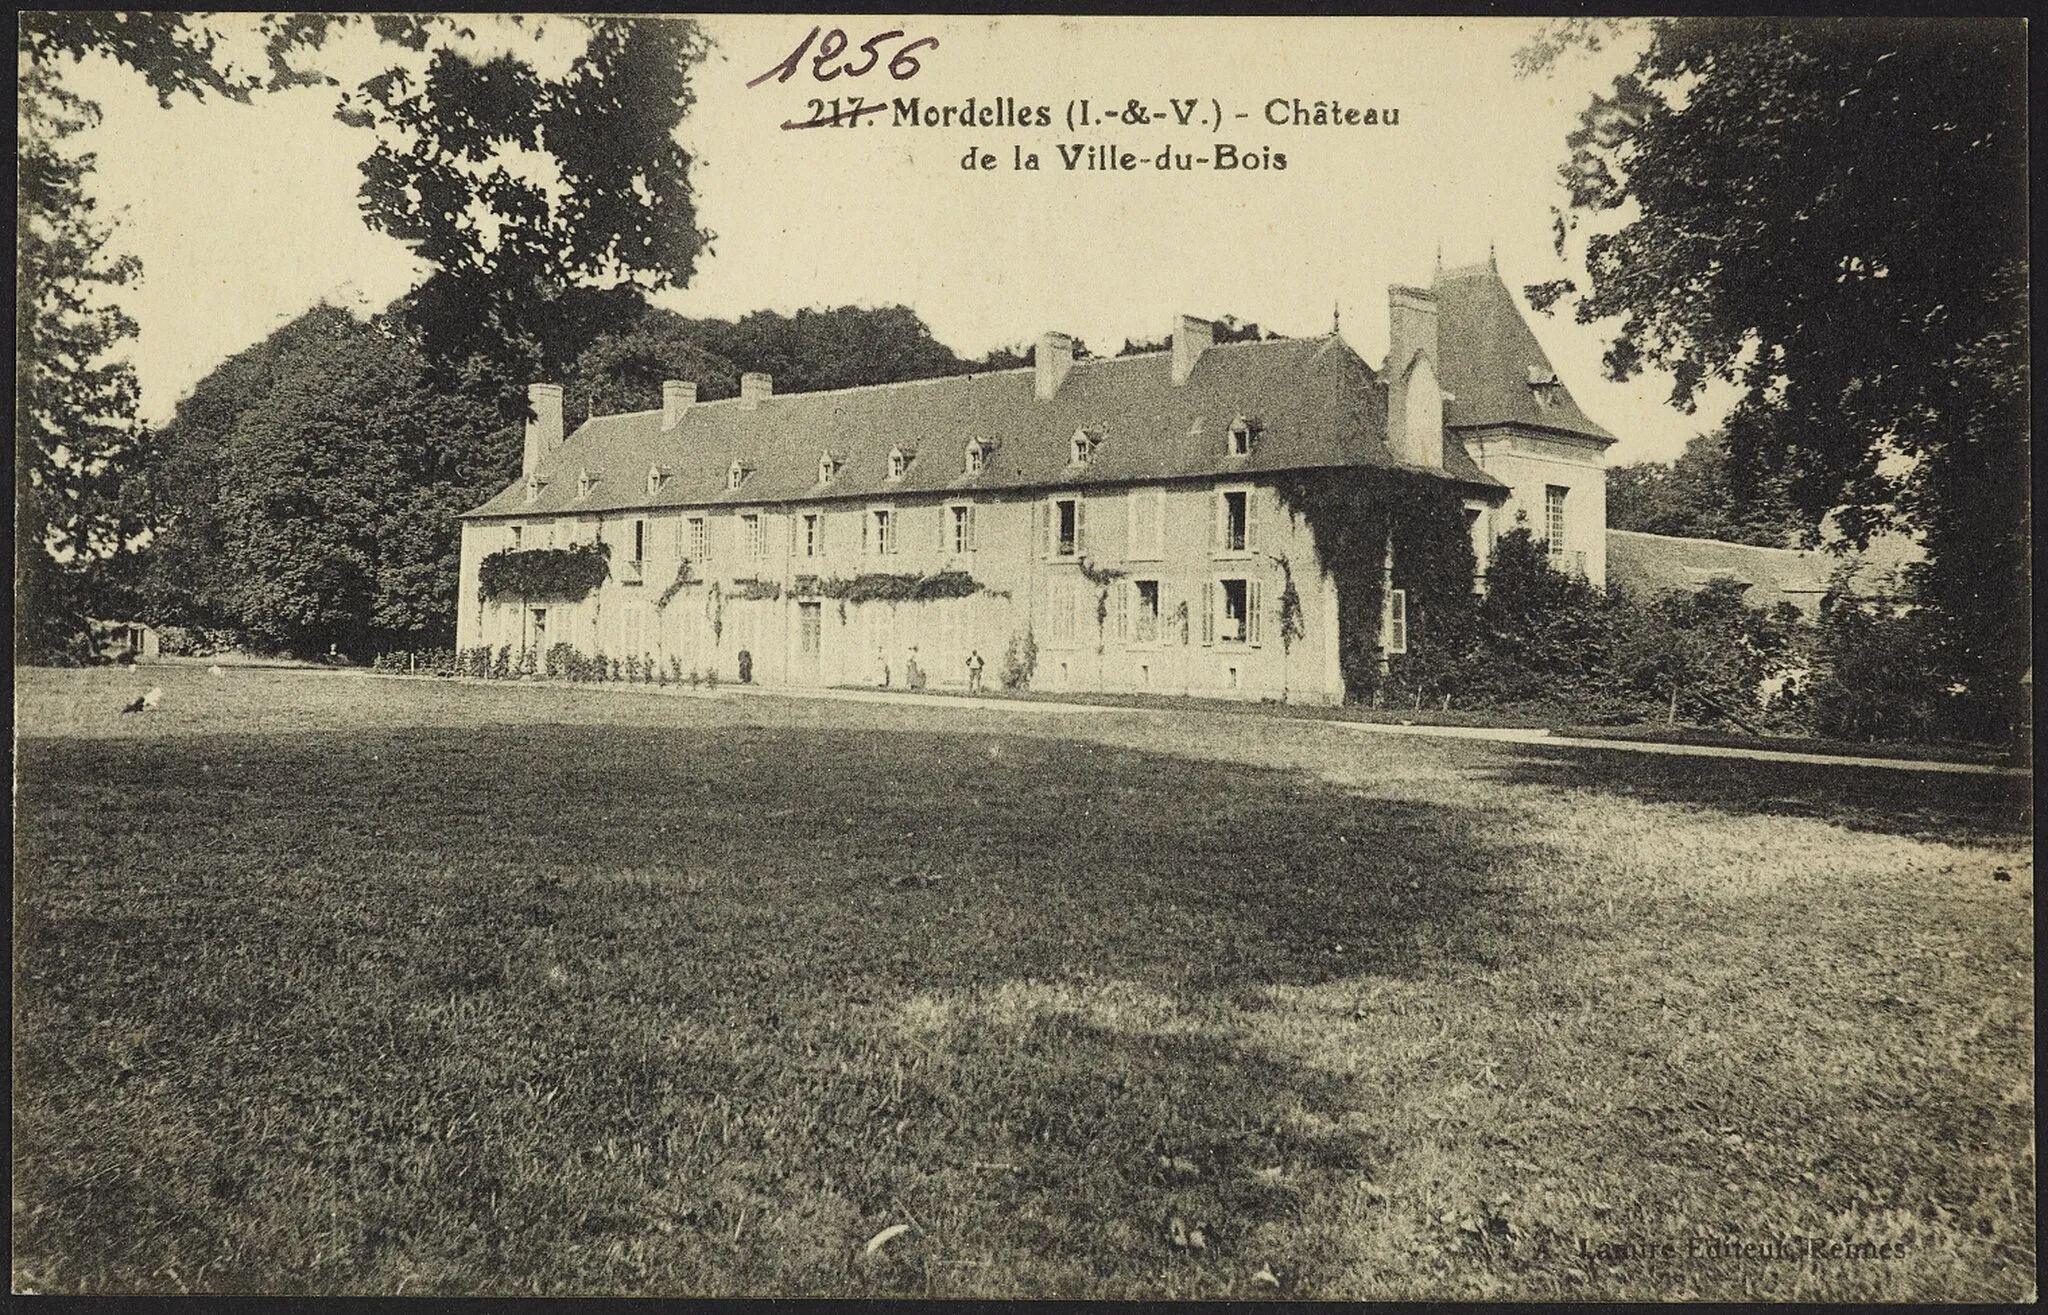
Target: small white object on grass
215,670
884,1238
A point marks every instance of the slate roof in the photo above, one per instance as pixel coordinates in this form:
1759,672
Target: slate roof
1488,358
1646,565
1313,401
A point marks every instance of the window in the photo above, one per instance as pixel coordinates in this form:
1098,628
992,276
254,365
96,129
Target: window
810,624
959,525
1147,523
750,526
533,488
639,541
539,620
696,534
1553,518
1230,612
655,475
1064,524
734,474
977,454
1396,638
1234,528
827,468
812,543
899,461
1083,450
1145,611
518,533
585,482
881,531
1063,603
1241,437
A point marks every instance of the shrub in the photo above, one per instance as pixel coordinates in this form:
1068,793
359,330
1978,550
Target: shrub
1020,660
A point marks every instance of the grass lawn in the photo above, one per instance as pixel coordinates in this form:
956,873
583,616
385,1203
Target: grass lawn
332,984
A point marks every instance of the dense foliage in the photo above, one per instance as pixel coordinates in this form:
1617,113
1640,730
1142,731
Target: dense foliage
1354,513
555,574
76,440
306,492
1697,496
885,587
1831,215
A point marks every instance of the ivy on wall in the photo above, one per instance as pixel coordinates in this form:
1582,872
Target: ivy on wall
1352,511
554,574
880,587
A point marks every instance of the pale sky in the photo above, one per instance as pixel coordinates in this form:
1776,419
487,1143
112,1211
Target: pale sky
244,216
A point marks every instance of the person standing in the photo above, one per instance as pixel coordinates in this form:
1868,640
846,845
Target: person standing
974,666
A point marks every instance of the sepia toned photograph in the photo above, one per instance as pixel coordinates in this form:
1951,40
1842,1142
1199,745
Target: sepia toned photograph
1001,656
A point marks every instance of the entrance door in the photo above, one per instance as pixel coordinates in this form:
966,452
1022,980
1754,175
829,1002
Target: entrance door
810,635
540,634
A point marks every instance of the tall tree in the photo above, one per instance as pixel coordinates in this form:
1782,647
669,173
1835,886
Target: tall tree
1696,496
1830,214
75,435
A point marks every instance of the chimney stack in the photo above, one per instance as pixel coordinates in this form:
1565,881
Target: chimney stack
676,398
756,388
1415,403
1191,337
1055,358
543,428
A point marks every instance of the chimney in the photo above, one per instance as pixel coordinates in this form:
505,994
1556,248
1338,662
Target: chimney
1055,358
756,388
544,429
1415,403
676,398
1191,337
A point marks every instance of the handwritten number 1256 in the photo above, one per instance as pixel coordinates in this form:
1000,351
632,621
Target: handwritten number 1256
902,67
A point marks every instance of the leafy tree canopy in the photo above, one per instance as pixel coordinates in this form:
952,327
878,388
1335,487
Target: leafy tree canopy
1695,496
1830,215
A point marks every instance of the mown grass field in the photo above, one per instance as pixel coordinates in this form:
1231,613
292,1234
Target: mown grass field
325,983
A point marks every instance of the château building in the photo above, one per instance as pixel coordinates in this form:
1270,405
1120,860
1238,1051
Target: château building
1128,515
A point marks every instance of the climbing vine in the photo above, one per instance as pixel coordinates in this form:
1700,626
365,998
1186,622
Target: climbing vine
880,587
1291,626
682,581
1352,512
565,574
756,590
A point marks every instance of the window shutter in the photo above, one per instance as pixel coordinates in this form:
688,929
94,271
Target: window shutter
1157,543
895,534
1038,531
972,542
1080,527
1251,520
945,531
1208,611
1216,514
796,523
865,517
1123,610
1252,593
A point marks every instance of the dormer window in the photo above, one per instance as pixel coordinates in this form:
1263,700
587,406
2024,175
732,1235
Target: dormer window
1084,446
585,481
977,456
655,476
1543,385
828,467
1242,434
735,474
899,461
533,483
